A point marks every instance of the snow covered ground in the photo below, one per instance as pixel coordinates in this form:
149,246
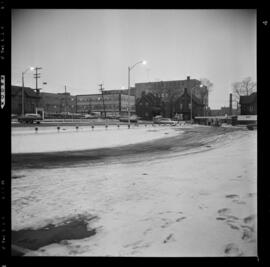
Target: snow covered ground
194,204
48,139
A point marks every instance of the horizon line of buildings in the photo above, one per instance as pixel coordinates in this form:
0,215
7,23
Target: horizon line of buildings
166,98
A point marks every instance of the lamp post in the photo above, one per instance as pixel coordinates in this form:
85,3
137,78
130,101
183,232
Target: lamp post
191,100
129,69
30,68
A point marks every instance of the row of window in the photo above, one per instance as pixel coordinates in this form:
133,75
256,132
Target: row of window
147,104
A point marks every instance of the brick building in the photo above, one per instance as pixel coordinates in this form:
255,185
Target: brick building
30,98
112,102
58,103
248,104
224,111
167,98
150,105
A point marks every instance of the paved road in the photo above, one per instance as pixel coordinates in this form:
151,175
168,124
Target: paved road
191,138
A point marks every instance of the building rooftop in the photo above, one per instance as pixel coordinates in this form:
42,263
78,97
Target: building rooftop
15,90
248,99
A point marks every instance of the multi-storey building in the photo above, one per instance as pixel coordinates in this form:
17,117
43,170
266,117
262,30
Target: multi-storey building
58,103
168,98
111,103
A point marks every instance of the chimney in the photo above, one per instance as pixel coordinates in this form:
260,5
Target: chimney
230,104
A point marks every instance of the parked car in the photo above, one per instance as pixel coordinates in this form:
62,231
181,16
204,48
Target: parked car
252,126
157,119
133,118
161,120
91,116
30,118
14,116
167,121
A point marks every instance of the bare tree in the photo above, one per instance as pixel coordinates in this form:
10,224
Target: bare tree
205,92
245,87
207,83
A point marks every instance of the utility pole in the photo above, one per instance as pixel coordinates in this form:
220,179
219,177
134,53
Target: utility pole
102,90
36,76
65,101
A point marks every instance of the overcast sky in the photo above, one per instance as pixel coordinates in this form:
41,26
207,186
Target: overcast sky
82,48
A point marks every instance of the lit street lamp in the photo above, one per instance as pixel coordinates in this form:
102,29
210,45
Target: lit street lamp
129,69
191,100
30,68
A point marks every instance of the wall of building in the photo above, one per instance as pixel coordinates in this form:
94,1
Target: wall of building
150,105
115,103
58,103
169,89
31,100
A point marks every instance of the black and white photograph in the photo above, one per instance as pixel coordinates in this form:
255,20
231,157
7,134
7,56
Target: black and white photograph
134,133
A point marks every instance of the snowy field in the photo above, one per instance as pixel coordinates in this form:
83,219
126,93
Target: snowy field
191,204
27,140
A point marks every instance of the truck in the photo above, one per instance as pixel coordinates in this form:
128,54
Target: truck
30,118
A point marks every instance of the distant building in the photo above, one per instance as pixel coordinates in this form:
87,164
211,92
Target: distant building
248,104
30,98
168,98
58,103
112,102
150,105
224,111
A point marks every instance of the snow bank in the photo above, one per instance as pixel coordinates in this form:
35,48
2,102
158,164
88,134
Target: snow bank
48,139
201,204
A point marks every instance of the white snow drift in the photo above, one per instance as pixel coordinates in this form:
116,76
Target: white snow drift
201,204
48,140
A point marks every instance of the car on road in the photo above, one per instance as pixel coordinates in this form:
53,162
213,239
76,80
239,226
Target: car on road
91,116
133,118
30,118
167,121
161,120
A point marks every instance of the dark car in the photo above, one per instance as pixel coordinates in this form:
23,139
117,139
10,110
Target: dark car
252,126
30,118
132,119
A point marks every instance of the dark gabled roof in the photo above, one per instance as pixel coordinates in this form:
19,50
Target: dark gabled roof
248,99
15,90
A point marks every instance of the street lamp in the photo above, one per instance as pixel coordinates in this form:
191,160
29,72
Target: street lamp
191,100
129,69
30,68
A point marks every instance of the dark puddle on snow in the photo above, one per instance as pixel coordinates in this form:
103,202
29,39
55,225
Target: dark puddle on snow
75,228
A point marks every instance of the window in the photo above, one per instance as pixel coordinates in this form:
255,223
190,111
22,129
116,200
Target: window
181,106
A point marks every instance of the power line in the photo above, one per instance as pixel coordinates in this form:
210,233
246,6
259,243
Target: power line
37,76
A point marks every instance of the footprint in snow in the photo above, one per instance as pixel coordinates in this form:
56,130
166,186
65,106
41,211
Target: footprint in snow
249,219
232,196
180,219
168,238
224,211
232,250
